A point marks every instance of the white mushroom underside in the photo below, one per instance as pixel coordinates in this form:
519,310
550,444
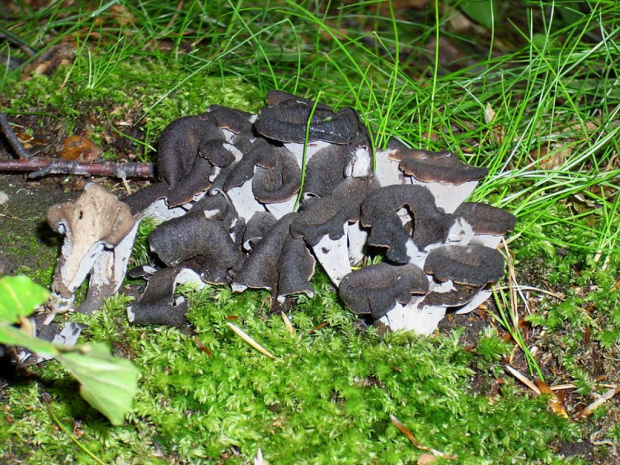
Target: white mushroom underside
410,317
333,257
244,201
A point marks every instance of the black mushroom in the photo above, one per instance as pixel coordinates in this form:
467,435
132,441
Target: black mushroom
376,289
258,227
380,213
328,215
199,241
470,265
445,167
326,170
286,120
157,304
486,219
278,263
248,169
279,182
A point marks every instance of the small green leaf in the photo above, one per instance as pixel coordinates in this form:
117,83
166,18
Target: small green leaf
108,384
19,296
15,337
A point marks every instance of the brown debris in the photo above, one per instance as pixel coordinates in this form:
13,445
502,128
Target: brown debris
79,148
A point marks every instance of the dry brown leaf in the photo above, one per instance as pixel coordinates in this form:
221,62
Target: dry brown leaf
555,404
55,56
551,156
79,148
202,347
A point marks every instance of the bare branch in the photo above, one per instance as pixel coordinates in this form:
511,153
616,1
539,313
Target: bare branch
44,166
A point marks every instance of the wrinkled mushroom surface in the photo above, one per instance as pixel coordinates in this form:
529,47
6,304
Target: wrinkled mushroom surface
99,232
229,186
376,289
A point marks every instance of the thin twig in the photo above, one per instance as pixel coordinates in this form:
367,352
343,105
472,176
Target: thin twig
247,338
586,412
523,379
11,137
45,166
16,40
403,429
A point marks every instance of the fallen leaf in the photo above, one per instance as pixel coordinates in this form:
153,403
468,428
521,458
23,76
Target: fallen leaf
555,404
79,148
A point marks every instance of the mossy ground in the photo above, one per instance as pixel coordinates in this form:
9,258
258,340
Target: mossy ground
325,399
327,396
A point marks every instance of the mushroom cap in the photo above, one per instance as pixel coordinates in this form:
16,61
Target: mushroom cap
261,153
180,143
328,215
325,216
280,182
279,97
295,268
444,167
193,236
142,199
260,269
216,207
287,121
379,212
157,304
376,289
472,265
486,219
93,226
229,118
193,183
325,170
258,227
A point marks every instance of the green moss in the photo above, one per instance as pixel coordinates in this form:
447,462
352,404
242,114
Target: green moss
326,398
147,95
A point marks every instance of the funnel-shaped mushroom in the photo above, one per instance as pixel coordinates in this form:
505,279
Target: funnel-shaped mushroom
323,222
157,305
471,265
99,233
379,212
489,223
376,289
450,180
287,121
279,263
200,237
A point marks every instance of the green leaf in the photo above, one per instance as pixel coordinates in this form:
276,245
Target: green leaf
15,337
19,296
108,384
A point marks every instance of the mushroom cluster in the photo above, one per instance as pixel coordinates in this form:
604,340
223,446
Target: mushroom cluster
237,208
